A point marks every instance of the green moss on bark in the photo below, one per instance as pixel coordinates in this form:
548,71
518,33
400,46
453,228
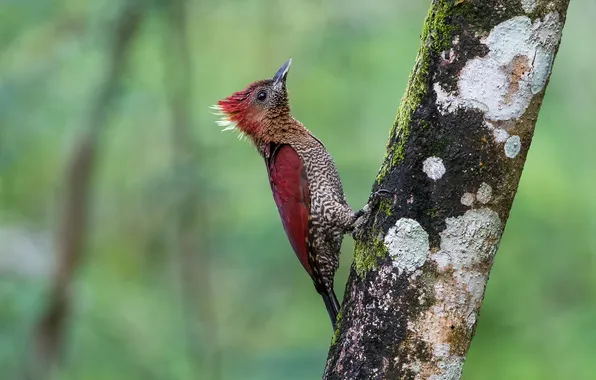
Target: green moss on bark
367,255
437,34
337,330
386,207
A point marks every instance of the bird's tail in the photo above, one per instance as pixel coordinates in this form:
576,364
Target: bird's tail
332,306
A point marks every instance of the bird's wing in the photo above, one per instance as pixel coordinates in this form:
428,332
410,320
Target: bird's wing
292,196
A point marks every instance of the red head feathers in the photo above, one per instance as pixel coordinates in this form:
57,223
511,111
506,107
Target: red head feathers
254,110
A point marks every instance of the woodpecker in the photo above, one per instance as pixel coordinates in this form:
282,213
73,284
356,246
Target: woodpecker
304,180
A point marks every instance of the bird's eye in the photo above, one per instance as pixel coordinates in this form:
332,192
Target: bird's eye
262,95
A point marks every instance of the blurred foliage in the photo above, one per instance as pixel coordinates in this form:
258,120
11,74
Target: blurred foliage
131,318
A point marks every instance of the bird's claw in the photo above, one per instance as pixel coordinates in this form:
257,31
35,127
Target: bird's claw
359,222
361,216
377,195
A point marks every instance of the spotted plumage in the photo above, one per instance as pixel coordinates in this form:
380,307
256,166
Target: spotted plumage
304,180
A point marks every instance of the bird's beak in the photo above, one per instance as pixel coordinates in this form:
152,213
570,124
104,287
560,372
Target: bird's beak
279,78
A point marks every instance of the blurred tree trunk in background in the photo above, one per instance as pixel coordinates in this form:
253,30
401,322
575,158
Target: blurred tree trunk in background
192,246
70,240
454,159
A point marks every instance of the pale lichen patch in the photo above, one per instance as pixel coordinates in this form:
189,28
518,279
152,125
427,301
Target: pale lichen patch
469,239
484,193
512,146
502,83
413,366
441,349
408,245
500,135
433,167
450,369
468,244
549,34
436,330
528,5
473,283
468,199
446,102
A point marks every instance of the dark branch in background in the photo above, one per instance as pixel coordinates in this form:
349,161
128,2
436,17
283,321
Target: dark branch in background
454,158
191,233
50,329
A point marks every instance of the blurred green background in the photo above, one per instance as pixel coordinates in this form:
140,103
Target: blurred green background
187,273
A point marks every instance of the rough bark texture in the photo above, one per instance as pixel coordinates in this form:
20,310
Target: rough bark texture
454,158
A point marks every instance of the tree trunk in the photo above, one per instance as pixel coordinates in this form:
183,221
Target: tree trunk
454,159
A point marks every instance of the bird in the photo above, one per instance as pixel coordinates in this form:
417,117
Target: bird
303,177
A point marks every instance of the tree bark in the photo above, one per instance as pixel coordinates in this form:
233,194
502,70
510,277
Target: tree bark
454,159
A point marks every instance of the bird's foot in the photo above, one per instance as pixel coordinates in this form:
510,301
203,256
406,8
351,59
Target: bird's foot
361,216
